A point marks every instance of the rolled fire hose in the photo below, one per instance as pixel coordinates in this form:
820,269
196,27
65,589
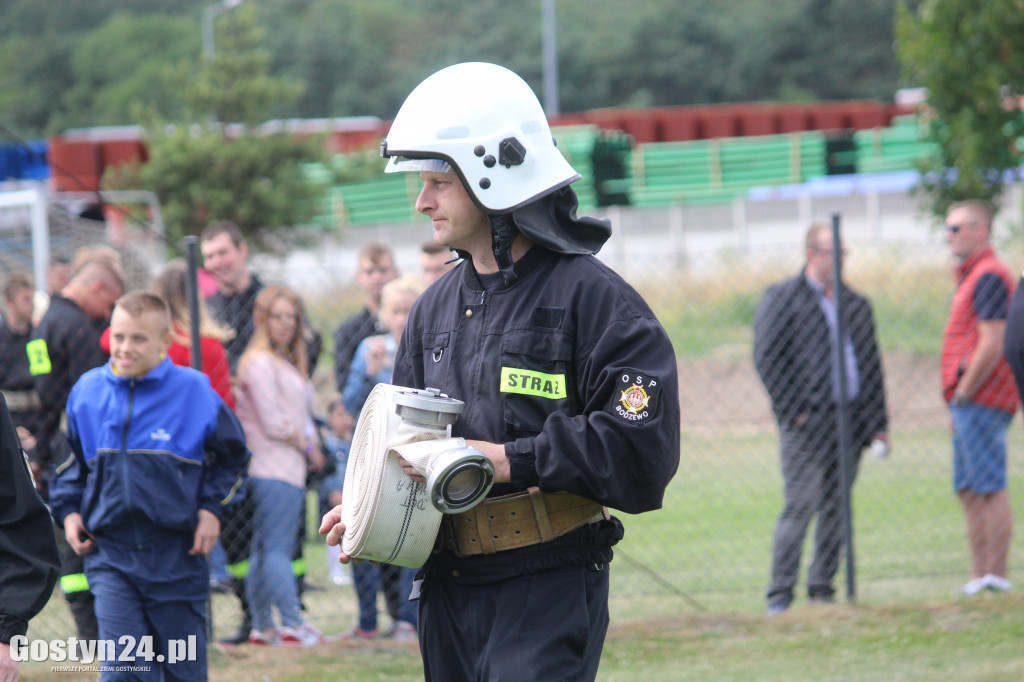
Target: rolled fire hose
389,517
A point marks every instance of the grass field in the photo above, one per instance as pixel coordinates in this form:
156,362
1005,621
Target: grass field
943,641
688,586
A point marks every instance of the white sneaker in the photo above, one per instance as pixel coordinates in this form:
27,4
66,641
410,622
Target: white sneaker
973,587
997,584
303,635
402,631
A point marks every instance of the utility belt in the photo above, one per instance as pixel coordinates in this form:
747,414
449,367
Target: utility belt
519,520
22,401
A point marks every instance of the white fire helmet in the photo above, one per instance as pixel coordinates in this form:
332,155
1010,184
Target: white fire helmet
486,122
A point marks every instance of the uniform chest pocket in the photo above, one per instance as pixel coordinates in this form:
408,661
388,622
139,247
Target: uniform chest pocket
536,379
433,355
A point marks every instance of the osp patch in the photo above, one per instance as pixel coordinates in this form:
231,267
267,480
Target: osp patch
636,396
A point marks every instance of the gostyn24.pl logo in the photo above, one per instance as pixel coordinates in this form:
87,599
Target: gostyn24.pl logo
90,651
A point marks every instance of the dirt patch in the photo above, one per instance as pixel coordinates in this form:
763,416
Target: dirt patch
725,393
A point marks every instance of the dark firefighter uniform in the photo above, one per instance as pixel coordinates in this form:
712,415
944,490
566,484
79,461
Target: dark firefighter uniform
29,562
567,366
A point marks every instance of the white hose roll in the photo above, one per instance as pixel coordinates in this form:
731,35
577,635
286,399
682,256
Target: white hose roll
388,517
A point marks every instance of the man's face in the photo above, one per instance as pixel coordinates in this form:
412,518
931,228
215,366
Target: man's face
433,265
100,302
371,277
965,232
820,264
225,261
137,344
20,306
458,222
57,277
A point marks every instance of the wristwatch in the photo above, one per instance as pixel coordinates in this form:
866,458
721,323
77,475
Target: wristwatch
960,399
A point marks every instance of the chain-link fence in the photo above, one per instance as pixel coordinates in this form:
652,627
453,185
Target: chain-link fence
705,271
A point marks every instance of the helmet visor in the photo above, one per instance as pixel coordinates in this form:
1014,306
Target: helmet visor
399,164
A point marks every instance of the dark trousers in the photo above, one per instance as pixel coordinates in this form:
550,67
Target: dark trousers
812,488
396,583
159,591
545,626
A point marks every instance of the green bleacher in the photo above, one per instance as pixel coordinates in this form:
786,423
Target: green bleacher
897,147
719,170
658,174
577,145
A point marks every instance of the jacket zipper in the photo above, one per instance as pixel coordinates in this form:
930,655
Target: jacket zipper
125,478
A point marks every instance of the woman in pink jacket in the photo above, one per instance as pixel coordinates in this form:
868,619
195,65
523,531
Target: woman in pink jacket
275,406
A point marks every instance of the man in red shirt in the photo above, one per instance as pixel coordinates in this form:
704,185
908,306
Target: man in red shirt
979,387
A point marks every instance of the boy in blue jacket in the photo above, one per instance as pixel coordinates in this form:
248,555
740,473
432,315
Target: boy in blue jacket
155,457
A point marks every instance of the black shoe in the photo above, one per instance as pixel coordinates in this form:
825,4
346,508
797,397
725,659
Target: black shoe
822,599
240,637
778,604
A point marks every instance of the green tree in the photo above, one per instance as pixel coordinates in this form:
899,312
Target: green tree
255,180
228,169
235,84
970,57
149,68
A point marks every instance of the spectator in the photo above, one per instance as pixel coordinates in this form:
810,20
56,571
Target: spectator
373,364
31,562
16,381
376,267
226,257
529,300
978,385
795,329
275,407
155,456
64,346
58,274
435,260
170,284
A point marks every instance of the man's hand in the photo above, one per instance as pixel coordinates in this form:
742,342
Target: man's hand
493,451
316,460
376,357
334,529
9,668
74,529
496,453
207,532
28,441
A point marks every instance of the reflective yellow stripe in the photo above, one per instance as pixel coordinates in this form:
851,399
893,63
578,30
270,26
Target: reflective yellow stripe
239,570
75,582
38,357
529,382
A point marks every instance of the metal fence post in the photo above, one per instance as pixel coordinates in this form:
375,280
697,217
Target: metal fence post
842,414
